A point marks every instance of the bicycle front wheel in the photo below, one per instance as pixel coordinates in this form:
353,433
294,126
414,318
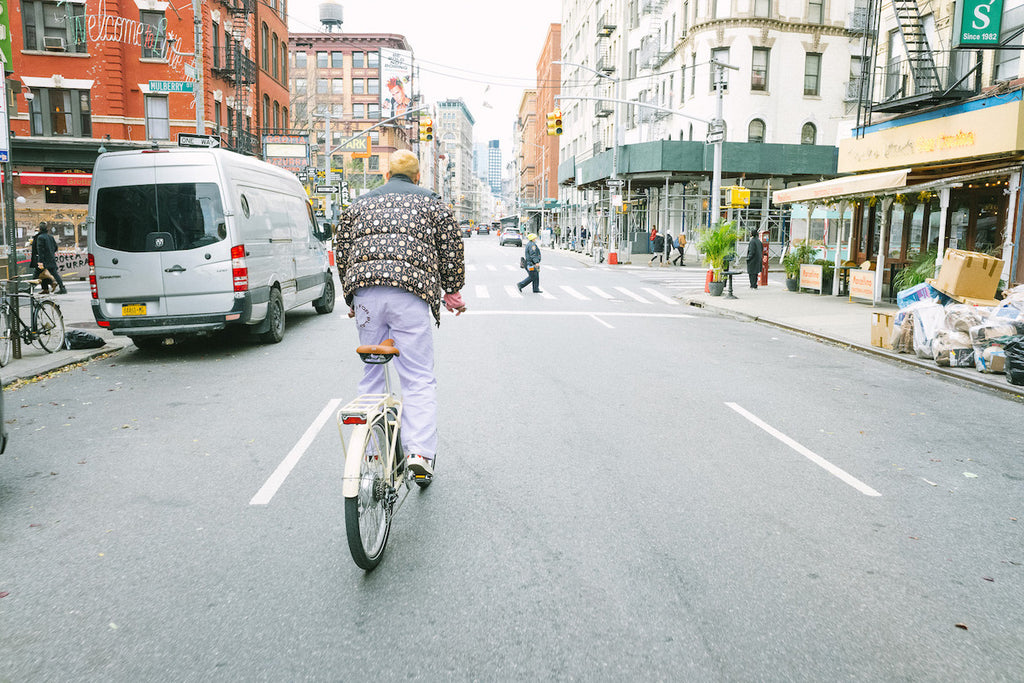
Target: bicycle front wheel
5,336
368,513
49,326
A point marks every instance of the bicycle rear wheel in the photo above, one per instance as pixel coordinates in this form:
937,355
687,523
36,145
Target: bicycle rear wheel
368,513
5,336
49,326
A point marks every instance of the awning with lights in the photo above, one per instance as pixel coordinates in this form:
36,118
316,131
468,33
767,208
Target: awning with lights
838,187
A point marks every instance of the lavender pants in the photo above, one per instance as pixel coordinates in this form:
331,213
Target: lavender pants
392,313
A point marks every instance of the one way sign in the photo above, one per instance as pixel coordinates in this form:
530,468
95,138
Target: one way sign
197,140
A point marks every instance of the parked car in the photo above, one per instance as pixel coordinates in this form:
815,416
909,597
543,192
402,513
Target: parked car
511,236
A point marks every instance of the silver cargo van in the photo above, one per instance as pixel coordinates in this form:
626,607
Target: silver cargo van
188,241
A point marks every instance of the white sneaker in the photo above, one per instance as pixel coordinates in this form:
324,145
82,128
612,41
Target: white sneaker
420,467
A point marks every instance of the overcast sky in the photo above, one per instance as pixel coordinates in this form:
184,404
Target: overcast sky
484,52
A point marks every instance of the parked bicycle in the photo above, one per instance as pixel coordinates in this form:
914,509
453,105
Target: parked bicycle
45,324
375,471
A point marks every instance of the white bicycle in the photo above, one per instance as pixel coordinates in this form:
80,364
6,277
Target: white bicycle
377,481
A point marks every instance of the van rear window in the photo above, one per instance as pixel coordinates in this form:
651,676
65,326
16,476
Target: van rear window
168,217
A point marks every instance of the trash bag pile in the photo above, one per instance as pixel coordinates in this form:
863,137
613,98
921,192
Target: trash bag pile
958,335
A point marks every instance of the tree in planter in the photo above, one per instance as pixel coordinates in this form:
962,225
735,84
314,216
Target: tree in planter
717,244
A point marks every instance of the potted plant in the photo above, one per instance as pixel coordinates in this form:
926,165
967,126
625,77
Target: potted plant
717,244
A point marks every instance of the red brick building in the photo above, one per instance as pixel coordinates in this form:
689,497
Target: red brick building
106,75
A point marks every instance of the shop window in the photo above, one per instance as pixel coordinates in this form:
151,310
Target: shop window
897,218
53,26
917,230
66,194
988,230
154,34
61,112
158,118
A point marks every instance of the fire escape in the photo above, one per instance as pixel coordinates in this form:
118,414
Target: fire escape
606,65
922,76
655,50
240,70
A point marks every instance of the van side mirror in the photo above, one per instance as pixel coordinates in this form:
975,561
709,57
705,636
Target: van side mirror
324,232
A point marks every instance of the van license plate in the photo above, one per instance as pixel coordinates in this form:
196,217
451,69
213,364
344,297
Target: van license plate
133,309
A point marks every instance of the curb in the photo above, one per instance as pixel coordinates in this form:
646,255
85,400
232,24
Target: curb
60,360
1005,388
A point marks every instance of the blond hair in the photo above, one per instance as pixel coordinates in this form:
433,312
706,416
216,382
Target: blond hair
404,162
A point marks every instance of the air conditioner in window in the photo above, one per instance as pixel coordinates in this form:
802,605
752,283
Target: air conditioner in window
54,43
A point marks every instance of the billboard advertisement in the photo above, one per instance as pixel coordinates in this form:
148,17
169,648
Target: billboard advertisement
396,82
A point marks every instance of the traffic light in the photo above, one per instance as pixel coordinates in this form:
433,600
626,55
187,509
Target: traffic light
555,122
426,129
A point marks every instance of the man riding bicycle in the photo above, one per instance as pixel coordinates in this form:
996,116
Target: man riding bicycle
397,248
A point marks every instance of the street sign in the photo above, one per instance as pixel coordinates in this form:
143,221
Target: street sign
197,140
616,182
326,189
171,86
716,136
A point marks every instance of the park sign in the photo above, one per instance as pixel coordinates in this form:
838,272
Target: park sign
977,23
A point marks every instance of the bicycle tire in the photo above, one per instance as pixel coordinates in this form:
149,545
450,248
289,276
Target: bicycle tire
368,513
49,326
5,336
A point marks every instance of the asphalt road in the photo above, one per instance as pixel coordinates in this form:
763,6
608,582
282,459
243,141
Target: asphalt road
627,488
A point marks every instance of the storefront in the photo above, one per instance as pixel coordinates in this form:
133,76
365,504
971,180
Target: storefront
953,182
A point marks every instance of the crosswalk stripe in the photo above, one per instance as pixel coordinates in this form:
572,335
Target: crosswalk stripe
491,267
482,293
658,295
513,291
632,295
547,295
600,292
509,266
470,267
573,293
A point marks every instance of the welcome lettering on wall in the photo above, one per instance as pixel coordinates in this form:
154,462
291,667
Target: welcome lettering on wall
101,27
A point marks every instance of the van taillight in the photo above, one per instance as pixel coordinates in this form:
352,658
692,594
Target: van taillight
92,277
239,273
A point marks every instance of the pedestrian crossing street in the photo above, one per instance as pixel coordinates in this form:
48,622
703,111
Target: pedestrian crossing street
637,293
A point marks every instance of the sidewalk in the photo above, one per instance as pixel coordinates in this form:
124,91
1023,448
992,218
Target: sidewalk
829,318
76,308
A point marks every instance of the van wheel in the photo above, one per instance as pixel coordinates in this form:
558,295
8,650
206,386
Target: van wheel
325,304
148,343
275,318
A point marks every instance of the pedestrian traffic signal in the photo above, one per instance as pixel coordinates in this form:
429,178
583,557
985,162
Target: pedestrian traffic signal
555,122
426,129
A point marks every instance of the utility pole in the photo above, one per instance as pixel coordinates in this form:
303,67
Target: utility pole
197,19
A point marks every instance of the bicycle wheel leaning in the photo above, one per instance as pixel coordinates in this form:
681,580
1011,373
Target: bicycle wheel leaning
5,335
49,324
369,496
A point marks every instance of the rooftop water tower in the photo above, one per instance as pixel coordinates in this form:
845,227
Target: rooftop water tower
330,16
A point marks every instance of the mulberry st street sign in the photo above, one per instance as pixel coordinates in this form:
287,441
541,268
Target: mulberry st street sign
977,23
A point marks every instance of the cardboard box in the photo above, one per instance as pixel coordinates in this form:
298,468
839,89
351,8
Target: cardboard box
881,329
968,274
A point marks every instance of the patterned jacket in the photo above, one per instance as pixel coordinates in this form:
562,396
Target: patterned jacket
400,235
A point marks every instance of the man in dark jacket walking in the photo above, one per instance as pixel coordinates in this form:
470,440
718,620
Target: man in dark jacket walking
755,251
532,260
44,256
398,248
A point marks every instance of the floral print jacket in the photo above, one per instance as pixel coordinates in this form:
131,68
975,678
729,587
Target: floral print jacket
400,235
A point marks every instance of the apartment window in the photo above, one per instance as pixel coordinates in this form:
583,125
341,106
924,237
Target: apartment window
266,111
721,54
812,74
158,118
816,11
373,110
276,65
284,119
300,86
763,8
215,44
321,60
373,60
682,85
631,69
374,164
755,131
61,112
809,134
154,34
856,74
372,86
759,69
265,47
337,60
321,86
300,60
216,117
374,137
301,112
284,62
337,86
357,60
50,26
720,8
358,86
359,110
338,111
693,74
